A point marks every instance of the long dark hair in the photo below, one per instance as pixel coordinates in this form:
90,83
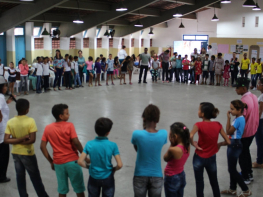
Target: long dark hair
133,57
115,60
238,104
2,87
60,56
209,110
180,129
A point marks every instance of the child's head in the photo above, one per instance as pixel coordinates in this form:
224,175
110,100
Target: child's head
110,56
71,58
90,58
179,133
128,58
227,62
39,59
175,54
103,127
60,112
11,64
253,59
193,58
186,56
179,57
198,58
260,85
245,55
155,58
237,107
98,59
207,56
51,59
22,106
116,59
76,58
213,57
219,55
151,114
103,59
45,60
242,85
259,61
66,56
207,111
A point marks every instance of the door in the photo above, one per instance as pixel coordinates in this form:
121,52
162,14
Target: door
3,50
204,45
20,48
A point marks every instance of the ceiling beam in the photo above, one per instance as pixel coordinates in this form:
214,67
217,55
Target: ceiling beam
94,6
99,18
190,16
215,5
17,1
147,12
25,12
166,16
118,22
185,2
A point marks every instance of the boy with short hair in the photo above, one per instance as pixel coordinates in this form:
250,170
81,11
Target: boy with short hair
101,151
212,70
109,69
205,69
76,73
23,131
64,141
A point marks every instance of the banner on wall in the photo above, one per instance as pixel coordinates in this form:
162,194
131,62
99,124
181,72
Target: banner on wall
239,49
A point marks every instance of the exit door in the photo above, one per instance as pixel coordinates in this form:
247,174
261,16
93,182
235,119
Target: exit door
20,48
204,45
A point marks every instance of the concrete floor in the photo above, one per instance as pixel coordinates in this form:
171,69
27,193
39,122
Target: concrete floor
124,105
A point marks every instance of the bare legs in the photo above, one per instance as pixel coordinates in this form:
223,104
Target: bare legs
90,79
122,77
97,80
130,76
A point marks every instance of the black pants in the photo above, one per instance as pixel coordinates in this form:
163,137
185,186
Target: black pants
243,73
212,77
4,159
143,67
245,161
46,82
165,66
81,74
67,78
185,76
233,76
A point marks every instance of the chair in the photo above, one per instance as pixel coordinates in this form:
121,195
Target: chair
85,77
17,85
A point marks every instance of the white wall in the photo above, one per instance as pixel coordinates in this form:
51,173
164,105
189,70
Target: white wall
230,24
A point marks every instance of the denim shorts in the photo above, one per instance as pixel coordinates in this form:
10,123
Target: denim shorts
11,79
72,171
109,72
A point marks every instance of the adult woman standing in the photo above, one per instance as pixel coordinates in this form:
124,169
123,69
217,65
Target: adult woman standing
234,63
4,116
219,67
81,62
58,69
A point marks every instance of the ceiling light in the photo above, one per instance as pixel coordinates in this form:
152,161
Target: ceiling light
106,33
26,0
78,21
45,32
121,7
151,31
257,7
181,25
215,18
249,4
138,24
226,1
177,13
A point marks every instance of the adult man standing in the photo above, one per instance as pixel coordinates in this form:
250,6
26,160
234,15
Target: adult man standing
145,59
165,64
209,51
122,54
195,54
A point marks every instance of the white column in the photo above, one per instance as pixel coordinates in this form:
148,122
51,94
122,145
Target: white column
29,39
47,40
79,41
92,42
10,46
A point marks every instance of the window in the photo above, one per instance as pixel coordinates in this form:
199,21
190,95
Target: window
132,42
257,19
151,42
142,42
39,43
85,42
111,43
99,42
72,43
195,37
36,31
243,21
55,43
19,31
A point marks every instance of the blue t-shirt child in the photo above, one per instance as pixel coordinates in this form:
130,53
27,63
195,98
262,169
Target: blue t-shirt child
110,64
239,124
178,63
101,151
149,147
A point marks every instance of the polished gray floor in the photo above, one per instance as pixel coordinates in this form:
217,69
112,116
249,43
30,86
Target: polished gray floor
124,105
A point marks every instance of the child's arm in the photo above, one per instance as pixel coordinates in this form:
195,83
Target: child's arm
77,144
9,140
194,143
227,140
229,129
119,163
83,161
32,139
260,108
173,153
45,152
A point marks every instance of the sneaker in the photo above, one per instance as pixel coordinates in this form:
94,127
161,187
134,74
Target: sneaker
251,178
144,82
247,181
139,81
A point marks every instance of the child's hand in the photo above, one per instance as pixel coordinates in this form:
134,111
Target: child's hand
219,146
228,115
195,144
52,166
87,160
25,138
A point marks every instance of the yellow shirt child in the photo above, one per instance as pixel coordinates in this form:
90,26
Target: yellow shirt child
253,70
245,63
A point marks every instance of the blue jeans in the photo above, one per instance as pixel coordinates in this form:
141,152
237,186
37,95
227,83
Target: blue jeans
186,76
233,152
39,80
24,80
174,185
142,184
179,71
209,164
77,79
254,80
259,140
258,76
192,76
106,185
58,75
25,163
172,74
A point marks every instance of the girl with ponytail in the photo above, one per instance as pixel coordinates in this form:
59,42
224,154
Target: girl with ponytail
207,147
176,157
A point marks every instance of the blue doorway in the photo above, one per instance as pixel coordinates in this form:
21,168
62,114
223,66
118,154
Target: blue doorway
3,49
20,48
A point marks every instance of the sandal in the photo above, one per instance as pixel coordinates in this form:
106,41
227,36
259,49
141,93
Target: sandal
54,89
59,88
229,191
245,194
99,85
256,165
124,83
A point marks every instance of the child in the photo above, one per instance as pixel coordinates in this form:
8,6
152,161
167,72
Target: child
2,69
46,68
116,68
252,121
155,67
21,132
192,70
226,73
103,66
12,77
130,67
205,68
72,66
186,64
101,151
76,73
90,70
207,147
98,71
23,67
176,157
67,72
235,131
259,69
253,72
148,144
64,141
39,72
179,75
219,68
124,66
212,70
109,69
198,69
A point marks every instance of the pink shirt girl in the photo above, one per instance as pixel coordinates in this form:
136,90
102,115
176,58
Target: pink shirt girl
89,65
23,69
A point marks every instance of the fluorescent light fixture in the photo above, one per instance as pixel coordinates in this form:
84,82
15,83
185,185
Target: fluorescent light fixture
177,14
45,32
78,21
249,4
257,8
26,0
138,24
226,1
121,7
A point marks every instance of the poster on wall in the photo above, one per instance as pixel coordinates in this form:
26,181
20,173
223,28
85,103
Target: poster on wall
239,41
239,49
233,48
245,48
214,48
254,53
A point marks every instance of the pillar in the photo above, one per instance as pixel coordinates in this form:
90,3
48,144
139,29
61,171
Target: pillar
105,42
10,46
92,43
29,40
47,51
